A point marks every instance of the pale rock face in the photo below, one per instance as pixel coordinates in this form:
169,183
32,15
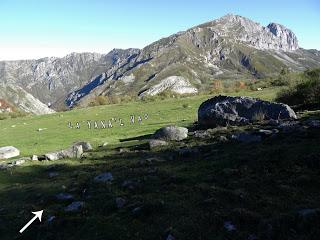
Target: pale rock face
23,100
286,37
175,84
128,79
241,29
50,79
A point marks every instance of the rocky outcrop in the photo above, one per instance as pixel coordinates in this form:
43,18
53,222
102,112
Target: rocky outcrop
174,84
225,110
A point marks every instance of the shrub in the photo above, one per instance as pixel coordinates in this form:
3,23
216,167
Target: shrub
305,93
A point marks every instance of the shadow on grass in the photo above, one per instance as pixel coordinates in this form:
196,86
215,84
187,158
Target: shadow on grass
187,191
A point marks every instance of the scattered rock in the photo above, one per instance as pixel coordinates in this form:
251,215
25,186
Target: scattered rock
4,166
8,152
74,206
19,161
104,177
153,143
123,150
52,156
74,151
86,146
136,211
171,133
246,137
120,202
225,110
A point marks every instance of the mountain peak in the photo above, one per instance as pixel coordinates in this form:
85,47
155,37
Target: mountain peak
286,36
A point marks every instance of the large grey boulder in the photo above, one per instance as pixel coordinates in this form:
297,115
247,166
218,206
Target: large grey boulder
74,151
225,110
8,152
171,133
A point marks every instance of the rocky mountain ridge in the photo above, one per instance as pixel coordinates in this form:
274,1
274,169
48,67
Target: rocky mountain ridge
231,47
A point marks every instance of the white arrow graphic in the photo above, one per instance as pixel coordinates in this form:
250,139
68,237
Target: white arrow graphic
37,214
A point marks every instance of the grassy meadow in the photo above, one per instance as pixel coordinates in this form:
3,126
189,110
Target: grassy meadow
167,192
23,132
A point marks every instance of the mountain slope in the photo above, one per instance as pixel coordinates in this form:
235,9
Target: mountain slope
50,79
232,47
22,100
229,48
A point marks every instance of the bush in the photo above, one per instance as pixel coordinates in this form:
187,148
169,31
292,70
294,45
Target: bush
305,93
107,100
8,115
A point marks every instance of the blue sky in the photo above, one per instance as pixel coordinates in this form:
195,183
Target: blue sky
38,28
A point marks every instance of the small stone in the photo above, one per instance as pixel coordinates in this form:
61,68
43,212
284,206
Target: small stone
19,162
4,166
53,174
170,237
104,177
51,218
120,202
136,210
74,206
229,226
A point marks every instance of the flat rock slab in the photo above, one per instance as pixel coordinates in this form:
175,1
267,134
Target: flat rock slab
9,152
